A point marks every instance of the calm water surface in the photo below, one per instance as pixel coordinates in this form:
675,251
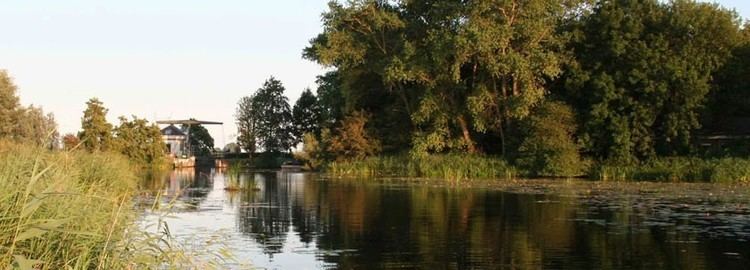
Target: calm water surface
301,221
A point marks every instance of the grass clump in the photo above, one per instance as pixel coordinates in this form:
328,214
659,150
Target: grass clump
448,166
677,169
75,210
63,210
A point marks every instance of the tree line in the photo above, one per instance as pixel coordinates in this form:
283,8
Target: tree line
136,138
543,83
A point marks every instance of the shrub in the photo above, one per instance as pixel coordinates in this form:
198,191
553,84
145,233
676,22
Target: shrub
313,151
352,140
549,148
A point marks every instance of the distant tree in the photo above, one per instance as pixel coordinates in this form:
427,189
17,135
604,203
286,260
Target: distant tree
643,71
201,141
8,105
232,148
70,141
27,125
248,118
265,117
140,141
96,133
305,115
36,127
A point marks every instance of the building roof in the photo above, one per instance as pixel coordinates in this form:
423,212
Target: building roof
190,121
172,130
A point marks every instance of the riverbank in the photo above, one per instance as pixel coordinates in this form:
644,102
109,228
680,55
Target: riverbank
75,210
465,167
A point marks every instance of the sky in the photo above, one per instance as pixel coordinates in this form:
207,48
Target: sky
162,60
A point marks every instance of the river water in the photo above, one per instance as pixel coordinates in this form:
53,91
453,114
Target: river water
304,221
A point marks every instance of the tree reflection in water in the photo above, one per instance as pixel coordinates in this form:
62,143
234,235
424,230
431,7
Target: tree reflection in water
381,224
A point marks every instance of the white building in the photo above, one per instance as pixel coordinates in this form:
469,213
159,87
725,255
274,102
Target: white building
175,140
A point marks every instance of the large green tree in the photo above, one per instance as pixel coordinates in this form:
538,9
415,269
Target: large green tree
140,141
96,132
265,119
305,115
330,99
201,142
642,72
247,118
731,93
458,70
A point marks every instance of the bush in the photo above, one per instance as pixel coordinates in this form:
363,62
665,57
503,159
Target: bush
549,148
313,152
352,140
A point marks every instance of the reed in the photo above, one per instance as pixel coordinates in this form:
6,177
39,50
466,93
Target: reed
62,209
75,210
448,167
677,169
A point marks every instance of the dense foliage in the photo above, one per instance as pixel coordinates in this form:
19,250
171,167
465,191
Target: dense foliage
201,142
24,124
140,141
352,140
264,119
137,139
305,115
247,119
544,84
642,74
548,148
96,132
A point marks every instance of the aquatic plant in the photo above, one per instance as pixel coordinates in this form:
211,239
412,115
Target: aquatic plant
233,182
677,169
448,166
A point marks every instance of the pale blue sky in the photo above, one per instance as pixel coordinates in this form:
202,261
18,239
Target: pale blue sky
161,59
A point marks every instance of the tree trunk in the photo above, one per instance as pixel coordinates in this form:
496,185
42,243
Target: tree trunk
466,134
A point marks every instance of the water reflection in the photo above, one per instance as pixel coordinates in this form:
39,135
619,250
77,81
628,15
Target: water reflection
293,221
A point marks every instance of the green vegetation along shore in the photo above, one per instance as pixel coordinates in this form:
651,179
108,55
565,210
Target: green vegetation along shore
468,167
75,210
636,90
64,210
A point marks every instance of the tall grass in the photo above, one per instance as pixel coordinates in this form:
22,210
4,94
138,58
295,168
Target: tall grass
62,210
74,210
450,167
678,169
